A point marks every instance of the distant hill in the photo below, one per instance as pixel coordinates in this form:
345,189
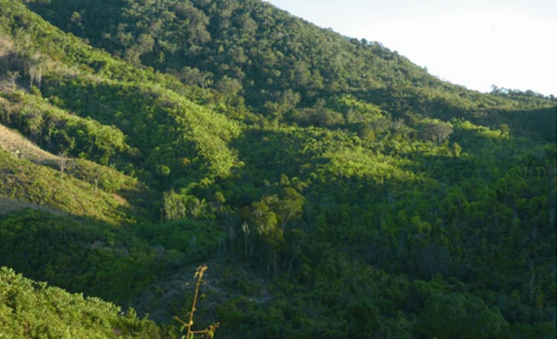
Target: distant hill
259,45
273,60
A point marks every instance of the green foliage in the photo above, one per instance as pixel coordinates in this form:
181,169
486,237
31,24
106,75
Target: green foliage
435,130
460,316
251,48
359,195
197,239
163,126
34,310
80,255
25,181
61,132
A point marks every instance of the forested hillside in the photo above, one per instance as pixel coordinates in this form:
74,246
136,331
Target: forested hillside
268,57
334,188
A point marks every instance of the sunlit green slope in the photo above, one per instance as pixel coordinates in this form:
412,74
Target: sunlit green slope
34,310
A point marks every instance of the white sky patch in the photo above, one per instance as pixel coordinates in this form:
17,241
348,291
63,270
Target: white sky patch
477,44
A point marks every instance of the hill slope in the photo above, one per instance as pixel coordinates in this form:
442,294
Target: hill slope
31,310
378,206
261,52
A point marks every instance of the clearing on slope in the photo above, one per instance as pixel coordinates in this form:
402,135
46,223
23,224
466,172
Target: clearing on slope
20,146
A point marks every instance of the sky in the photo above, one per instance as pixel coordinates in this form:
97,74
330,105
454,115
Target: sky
475,43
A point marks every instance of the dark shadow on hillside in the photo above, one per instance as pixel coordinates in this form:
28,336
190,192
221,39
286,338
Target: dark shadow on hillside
82,255
537,124
399,101
271,154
